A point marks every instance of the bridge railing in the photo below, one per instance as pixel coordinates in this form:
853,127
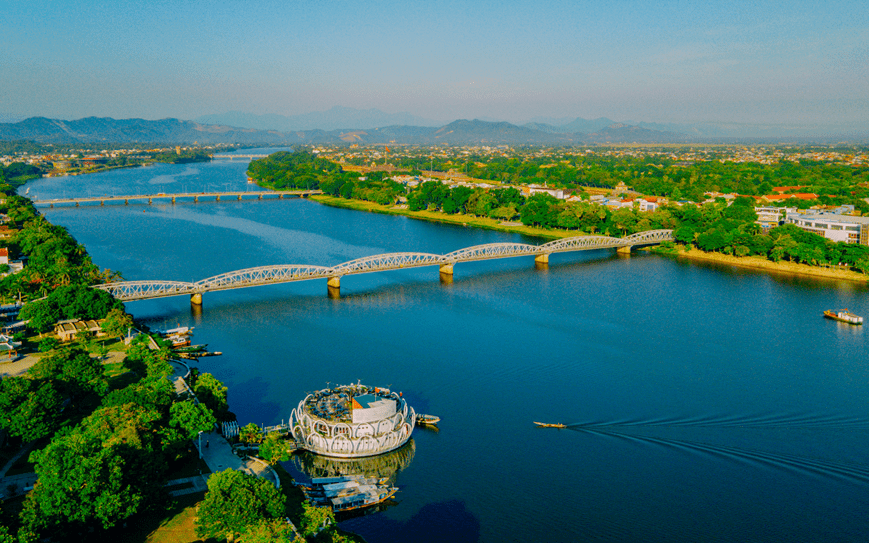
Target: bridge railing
285,273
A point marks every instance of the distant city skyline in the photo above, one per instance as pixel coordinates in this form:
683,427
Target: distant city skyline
789,63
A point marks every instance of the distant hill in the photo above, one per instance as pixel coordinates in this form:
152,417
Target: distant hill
623,133
461,132
97,129
337,118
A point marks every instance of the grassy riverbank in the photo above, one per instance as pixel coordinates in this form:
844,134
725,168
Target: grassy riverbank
518,228
446,218
777,267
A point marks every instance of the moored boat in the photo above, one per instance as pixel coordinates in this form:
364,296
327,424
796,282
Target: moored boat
427,420
347,492
844,316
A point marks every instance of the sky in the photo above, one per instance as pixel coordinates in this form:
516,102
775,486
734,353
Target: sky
793,63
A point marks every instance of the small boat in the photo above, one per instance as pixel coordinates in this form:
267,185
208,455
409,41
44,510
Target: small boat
191,349
178,341
844,316
427,420
546,425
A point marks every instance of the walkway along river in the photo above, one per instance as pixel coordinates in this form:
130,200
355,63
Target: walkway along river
702,402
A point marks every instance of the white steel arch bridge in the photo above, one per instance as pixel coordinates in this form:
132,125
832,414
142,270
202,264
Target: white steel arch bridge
128,291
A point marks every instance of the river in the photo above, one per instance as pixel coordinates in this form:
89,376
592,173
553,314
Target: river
704,402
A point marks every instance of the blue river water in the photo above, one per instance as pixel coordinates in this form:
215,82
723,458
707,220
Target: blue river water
703,402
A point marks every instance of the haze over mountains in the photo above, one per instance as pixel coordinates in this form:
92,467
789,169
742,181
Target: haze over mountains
348,125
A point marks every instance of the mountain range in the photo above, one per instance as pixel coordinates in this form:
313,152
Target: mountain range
460,132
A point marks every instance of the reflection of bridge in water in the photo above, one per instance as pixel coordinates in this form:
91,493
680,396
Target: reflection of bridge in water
128,291
194,197
234,156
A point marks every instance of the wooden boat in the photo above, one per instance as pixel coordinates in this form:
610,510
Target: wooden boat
844,316
191,349
427,420
348,492
546,425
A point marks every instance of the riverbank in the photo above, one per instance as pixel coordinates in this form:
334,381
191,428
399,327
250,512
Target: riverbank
777,267
518,228
445,218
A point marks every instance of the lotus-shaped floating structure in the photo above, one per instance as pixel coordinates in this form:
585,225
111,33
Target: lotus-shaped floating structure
351,421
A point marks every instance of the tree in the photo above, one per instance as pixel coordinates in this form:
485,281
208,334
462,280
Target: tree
315,518
191,418
271,531
212,393
117,322
235,502
250,433
73,371
99,473
29,408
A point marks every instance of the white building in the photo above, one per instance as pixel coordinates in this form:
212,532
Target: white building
352,421
832,226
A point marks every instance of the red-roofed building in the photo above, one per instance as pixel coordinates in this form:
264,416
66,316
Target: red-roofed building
4,255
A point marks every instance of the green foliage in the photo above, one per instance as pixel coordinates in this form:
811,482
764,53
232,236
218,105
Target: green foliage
315,518
298,170
29,408
72,371
236,501
212,393
250,433
191,418
47,344
97,474
117,322
270,531
68,302
274,448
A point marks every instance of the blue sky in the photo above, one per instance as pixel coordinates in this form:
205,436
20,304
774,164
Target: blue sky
793,62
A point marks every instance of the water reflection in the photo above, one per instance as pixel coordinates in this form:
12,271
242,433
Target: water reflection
381,466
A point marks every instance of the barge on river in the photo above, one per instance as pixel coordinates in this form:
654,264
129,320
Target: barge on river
348,492
844,316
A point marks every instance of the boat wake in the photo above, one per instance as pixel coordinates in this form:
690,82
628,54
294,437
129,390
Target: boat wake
786,420
842,471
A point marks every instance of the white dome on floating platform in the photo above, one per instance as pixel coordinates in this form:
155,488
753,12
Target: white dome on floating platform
350,421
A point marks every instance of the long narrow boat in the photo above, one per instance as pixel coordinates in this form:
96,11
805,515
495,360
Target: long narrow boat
546,425
844,316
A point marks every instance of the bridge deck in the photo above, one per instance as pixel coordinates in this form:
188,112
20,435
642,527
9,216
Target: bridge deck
194,196
286,273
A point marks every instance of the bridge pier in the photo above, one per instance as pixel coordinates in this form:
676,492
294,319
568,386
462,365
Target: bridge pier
196,298
196,199
446,269
239,197
333,287
218,198
542,259
102,203
625,250
149,201
173,200
76,204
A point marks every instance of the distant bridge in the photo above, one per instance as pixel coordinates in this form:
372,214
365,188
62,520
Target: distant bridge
232,156
128,291
195,197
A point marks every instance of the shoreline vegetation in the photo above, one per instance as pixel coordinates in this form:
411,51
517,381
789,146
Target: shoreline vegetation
752,262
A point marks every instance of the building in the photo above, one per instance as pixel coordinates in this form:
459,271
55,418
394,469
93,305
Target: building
352,421
832,226
67,330
771,216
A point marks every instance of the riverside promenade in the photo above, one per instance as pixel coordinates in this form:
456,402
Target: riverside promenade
214,450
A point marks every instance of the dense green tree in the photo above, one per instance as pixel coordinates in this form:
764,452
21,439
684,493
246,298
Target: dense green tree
315,518
97,474
250,433
29,408
191,418
117,322
212,393
270,531
236,501
73,372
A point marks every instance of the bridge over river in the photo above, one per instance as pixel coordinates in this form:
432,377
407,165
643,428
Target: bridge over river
285,273
194,197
